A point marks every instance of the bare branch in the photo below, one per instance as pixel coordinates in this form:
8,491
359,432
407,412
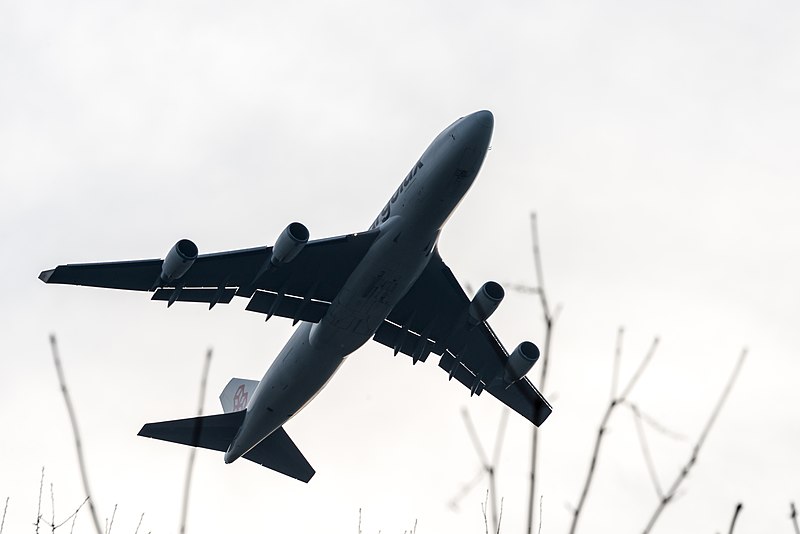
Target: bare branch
545,359
76,433
793,517
648,458
601,432
190,466
466,488
684,472
141,517
735,516
498,440
476,442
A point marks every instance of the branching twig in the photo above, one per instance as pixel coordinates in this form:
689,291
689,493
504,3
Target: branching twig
793,517
545,358
604,423
71,516
735,516
76,433
684,472
193,450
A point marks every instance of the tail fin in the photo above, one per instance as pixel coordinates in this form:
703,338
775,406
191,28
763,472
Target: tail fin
236,394
277,451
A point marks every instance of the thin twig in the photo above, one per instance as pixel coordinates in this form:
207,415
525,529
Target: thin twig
648,458
617,357
793,517
359,521
3,522
39,506
190,466
653,423
541,498
684,472
735,516
548,322
111,524
76,433
499,518
141,517
52,509
483,508
603,426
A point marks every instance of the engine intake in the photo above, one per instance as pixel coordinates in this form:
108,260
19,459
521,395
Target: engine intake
289,244
485,302
178,260
520,361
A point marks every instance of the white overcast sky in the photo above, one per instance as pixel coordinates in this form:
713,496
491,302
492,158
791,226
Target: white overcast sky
657,141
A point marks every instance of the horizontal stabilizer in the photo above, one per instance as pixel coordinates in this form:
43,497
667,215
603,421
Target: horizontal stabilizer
216,432
213,432
279,453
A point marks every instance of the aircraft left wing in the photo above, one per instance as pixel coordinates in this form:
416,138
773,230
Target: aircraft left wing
432,317
299,289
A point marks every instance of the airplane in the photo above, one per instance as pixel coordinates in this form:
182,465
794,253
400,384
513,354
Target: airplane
388,283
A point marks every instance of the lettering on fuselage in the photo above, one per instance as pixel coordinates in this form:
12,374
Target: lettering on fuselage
387,209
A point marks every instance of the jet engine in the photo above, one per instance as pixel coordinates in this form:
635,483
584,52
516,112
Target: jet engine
289,244
485,302
178,260
520,361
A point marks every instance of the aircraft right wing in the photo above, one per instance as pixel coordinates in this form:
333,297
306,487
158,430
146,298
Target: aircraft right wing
300,289
432,317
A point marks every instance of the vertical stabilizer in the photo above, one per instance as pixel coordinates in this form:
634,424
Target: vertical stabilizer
237,394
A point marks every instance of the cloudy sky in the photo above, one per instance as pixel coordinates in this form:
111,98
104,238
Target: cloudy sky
657,141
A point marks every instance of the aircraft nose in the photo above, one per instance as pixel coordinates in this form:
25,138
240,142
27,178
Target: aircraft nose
484,118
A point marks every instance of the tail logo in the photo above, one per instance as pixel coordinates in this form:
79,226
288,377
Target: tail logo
240,399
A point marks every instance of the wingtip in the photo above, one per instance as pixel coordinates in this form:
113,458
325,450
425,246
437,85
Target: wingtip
44,276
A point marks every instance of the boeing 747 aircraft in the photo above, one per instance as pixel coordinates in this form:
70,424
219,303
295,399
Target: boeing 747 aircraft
387,283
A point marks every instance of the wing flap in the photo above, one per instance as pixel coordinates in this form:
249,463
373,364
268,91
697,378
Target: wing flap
287,306
208,296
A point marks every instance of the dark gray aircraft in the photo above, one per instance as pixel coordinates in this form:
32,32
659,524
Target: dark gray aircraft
387,283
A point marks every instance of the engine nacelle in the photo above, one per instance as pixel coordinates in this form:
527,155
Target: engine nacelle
178,260
520,361
485,302
289,244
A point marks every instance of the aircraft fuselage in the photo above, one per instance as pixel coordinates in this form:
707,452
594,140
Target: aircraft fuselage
409,226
